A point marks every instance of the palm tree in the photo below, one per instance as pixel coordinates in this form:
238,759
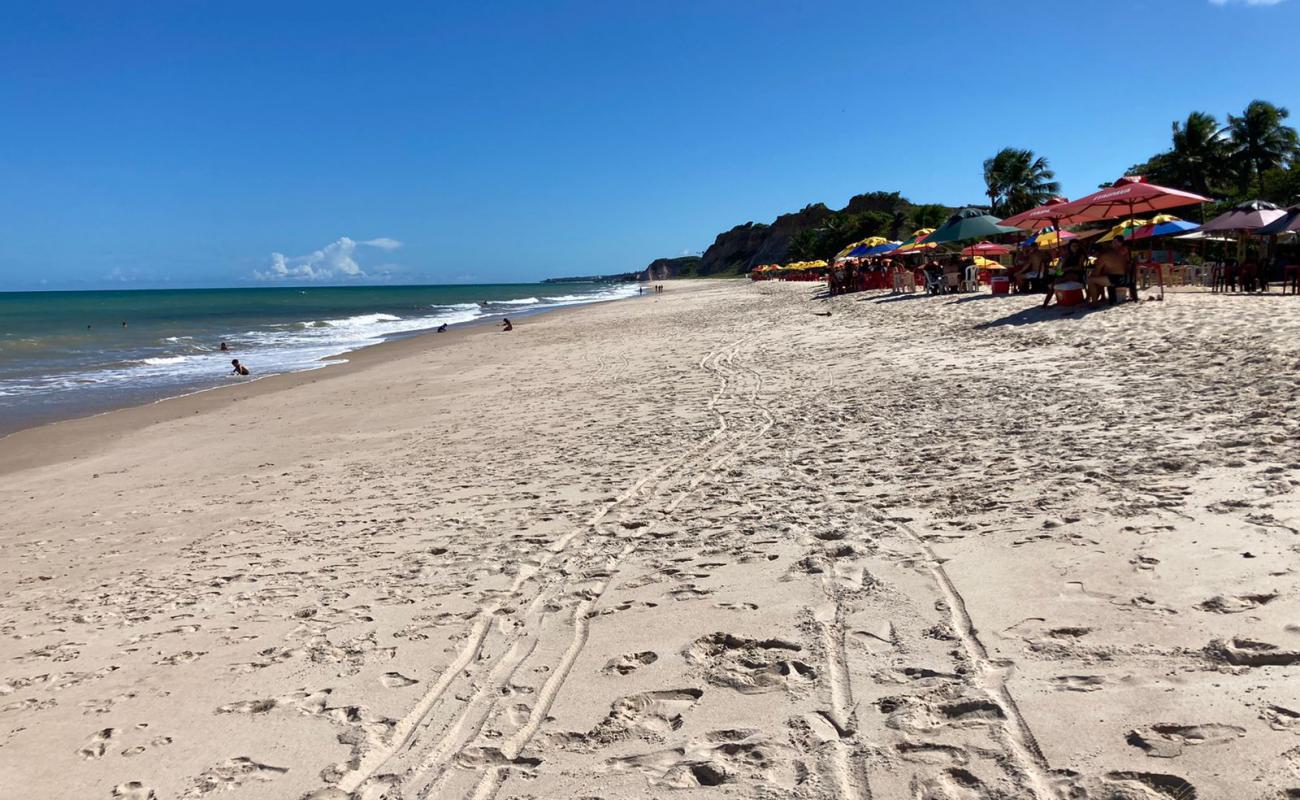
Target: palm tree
1199,159
896,224
1016,180
1260,141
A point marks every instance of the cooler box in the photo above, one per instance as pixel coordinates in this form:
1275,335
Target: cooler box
1069,294
1000,285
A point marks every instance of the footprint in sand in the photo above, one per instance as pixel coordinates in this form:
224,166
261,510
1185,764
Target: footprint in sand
1242,652
396,680
1170,786
1078,683
649,715
747,665
232,774
629,662
1281,718
717,758
1168,741
98,743
1235,604
133,790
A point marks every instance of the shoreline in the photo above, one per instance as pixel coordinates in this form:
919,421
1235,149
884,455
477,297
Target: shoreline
57,440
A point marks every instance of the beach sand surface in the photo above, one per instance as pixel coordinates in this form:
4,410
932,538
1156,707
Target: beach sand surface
701,544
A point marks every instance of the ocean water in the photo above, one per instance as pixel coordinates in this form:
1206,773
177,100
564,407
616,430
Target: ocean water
66,354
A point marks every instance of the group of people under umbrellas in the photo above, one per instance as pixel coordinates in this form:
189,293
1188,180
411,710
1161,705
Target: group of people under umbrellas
1101,269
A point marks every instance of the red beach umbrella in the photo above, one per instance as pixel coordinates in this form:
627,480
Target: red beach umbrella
986,249
1045,216
1129,196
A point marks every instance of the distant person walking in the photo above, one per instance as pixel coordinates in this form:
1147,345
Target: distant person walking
239,369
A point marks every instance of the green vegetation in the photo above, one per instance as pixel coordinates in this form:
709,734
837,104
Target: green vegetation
1251,156
1016,180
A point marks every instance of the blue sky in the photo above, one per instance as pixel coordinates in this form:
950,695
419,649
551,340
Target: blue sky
223,143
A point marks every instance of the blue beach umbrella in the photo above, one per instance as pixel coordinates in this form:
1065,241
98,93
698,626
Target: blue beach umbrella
1163,227
882,249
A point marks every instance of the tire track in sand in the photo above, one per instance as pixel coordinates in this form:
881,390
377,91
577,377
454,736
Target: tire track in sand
1023,746
492,778
406,735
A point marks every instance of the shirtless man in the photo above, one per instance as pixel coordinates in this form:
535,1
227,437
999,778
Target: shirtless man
1034,269
1111,270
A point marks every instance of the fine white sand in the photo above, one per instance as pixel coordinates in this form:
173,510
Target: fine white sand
699,544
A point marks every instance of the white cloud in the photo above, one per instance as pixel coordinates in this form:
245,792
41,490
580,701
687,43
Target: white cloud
1245,2
336,260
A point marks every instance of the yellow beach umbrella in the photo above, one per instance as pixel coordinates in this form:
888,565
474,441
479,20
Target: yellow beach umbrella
868,243
1123,228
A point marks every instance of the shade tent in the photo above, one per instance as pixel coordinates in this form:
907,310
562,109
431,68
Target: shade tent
1130,195
986,249
1249,216
969,223
1045,216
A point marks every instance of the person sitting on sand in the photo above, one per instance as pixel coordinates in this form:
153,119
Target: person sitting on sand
1072,269
442,328
1107,274
1032,272
506,326
239,369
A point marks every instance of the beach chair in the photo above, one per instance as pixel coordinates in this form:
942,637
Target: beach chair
972,282
904,282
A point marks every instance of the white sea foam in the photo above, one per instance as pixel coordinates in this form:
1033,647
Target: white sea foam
164,360
276,348
361,319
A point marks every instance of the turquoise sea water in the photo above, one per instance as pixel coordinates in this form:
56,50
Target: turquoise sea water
65,354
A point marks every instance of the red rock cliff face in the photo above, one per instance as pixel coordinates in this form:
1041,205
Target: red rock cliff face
746,246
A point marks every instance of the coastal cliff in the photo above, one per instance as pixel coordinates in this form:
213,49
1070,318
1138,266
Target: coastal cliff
813,232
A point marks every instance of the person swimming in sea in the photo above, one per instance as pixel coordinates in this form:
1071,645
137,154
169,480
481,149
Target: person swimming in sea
224,348
239,369
506,326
